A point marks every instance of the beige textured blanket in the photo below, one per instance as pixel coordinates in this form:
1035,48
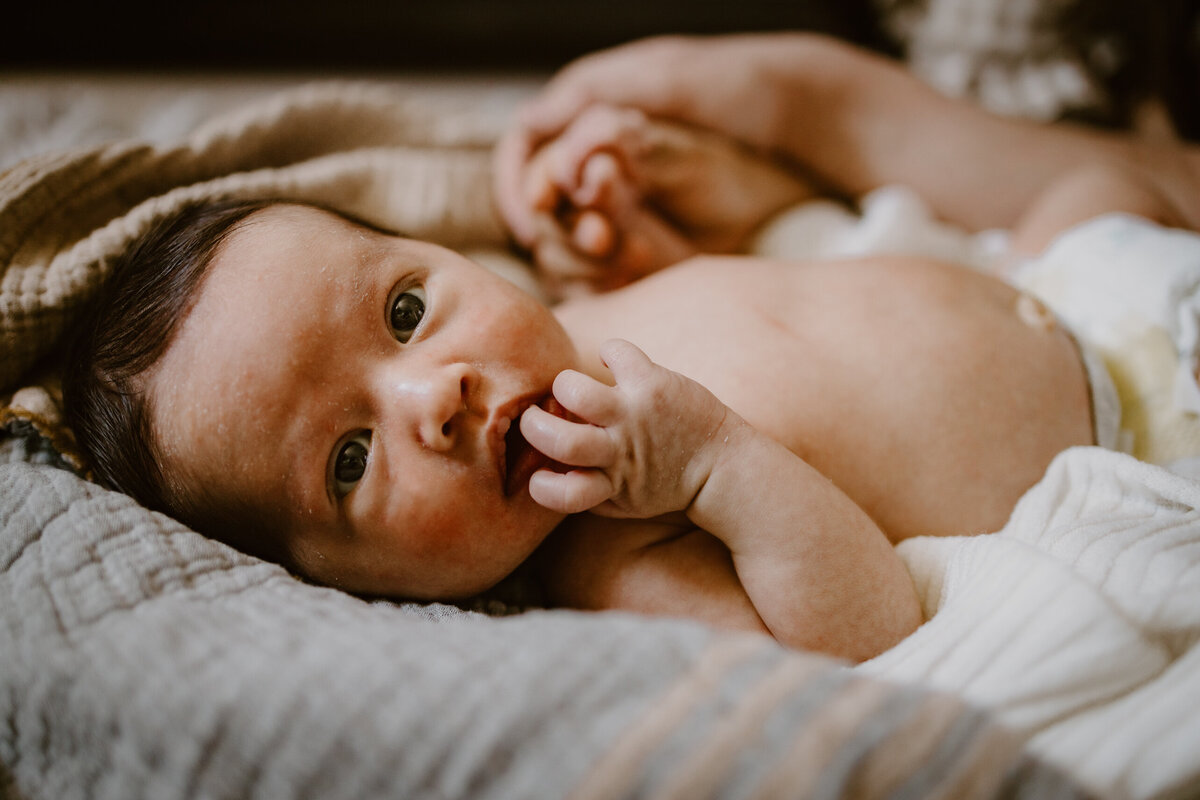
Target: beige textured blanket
361,149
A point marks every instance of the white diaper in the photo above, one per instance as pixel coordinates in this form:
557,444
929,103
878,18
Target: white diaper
1129,290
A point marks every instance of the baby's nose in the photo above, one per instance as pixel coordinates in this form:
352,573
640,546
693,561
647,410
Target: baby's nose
447,405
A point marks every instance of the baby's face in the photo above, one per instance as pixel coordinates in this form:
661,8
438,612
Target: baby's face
355,390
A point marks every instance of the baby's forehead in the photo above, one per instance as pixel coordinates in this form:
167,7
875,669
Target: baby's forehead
298,217
228,384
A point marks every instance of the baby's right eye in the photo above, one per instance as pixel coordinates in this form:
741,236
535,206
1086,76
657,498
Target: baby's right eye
350,463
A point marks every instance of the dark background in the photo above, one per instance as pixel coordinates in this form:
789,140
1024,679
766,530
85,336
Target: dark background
1159,40
409,35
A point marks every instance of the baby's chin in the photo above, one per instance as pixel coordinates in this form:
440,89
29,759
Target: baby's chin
497,574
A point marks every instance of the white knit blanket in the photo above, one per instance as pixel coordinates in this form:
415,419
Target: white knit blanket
1079,622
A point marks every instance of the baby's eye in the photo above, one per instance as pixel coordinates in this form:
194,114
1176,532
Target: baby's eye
406,312
350,463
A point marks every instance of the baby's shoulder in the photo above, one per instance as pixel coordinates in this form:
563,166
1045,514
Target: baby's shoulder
661,567
589,560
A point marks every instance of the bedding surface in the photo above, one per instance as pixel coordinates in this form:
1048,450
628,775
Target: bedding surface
138,659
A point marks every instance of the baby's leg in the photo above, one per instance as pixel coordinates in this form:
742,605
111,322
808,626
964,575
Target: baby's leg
1087,193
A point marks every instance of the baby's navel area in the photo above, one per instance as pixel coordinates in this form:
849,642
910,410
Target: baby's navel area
967,389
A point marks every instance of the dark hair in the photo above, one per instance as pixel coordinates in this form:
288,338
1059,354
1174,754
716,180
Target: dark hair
126,330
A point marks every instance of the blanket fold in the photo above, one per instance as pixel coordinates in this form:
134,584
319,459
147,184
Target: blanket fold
361,149
1078,623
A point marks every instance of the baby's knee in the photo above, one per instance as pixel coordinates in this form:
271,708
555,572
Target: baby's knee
1086,192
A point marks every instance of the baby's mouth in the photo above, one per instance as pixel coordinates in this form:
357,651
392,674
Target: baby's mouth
522,459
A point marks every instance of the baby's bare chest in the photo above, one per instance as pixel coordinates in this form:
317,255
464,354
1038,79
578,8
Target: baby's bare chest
801,350
904,382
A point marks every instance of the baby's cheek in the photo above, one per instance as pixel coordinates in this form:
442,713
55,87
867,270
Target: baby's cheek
434,525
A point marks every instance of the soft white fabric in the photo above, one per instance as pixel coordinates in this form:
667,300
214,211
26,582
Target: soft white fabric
1079,622
1014,57
1131,289
891,219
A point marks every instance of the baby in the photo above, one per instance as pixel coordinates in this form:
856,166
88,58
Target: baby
736,440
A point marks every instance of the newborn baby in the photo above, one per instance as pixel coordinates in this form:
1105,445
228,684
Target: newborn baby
389,418
735,440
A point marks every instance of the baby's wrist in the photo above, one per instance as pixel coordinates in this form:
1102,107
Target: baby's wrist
722,452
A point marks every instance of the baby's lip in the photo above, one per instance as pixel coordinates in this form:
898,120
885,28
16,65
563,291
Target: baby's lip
517,460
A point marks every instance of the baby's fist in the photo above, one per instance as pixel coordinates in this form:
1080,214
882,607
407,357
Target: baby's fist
645,446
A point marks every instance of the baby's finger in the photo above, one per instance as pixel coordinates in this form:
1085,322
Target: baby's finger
647,241
554,255
547,114
510,160
593,235
587,398
625,359
564,269
571,492
601,173
572,443
598,129
539,190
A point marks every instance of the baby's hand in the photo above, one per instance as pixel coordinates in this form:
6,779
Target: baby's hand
645,446
594,229
619,195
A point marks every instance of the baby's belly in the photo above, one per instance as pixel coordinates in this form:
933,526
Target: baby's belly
920,389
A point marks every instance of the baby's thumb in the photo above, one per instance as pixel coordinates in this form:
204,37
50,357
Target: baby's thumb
509,186
625,359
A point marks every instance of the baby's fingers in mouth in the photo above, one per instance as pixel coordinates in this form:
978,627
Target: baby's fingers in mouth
570,492
577,444
581,397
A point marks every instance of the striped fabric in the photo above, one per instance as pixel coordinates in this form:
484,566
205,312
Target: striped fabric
138,659
1078,623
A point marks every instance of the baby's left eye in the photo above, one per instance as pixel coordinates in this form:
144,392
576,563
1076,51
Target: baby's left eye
406,313
350,463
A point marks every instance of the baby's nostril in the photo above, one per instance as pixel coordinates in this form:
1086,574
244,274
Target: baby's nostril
445,429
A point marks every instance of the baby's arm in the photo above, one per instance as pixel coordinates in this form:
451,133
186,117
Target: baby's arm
818,571
619,195
852,119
